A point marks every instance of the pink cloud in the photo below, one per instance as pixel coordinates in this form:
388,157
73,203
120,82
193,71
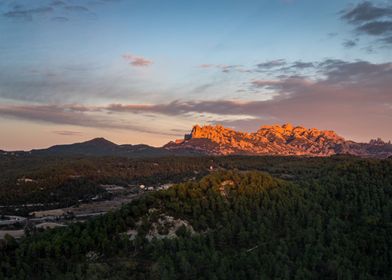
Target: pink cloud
137,61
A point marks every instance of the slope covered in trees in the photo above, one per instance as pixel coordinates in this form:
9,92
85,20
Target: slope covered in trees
65,180
331,220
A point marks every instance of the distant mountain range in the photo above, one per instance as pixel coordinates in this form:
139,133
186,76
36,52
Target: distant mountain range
218,140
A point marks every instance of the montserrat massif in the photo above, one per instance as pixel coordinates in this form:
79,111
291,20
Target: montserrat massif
273,139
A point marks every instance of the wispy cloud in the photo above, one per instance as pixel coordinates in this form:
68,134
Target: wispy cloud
67,133
366,11
56,3
72,115
370,19
225,68
60,19
137,61
350,43
76,8
268,66
27,14
271,64
301,65
56,10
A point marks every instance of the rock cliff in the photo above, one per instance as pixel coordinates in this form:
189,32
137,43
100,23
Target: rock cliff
272,140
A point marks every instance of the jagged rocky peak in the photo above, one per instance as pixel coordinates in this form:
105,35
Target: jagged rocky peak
379,142
289,132
285,139
285,132
212,132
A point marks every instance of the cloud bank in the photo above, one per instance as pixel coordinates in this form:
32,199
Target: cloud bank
350,96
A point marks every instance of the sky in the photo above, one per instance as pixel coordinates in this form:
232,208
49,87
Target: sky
147,71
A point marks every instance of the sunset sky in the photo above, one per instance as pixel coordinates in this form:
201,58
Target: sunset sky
146,71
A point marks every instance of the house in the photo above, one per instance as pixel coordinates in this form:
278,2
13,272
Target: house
25,180
166,186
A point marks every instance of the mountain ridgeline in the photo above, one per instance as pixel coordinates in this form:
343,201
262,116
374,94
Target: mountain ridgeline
102,147
218,140
275,140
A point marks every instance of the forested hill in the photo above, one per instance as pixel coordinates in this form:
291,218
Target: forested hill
335,224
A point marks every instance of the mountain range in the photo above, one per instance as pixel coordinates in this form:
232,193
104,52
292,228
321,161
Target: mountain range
276,140
218,140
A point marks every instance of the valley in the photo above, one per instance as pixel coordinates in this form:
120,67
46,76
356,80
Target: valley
195,140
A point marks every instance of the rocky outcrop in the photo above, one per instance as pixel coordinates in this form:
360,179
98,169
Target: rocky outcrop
271,140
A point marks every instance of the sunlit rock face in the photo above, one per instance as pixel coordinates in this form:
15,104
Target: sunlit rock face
268,140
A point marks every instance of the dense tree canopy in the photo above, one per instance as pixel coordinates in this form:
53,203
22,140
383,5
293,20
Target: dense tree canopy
322,219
